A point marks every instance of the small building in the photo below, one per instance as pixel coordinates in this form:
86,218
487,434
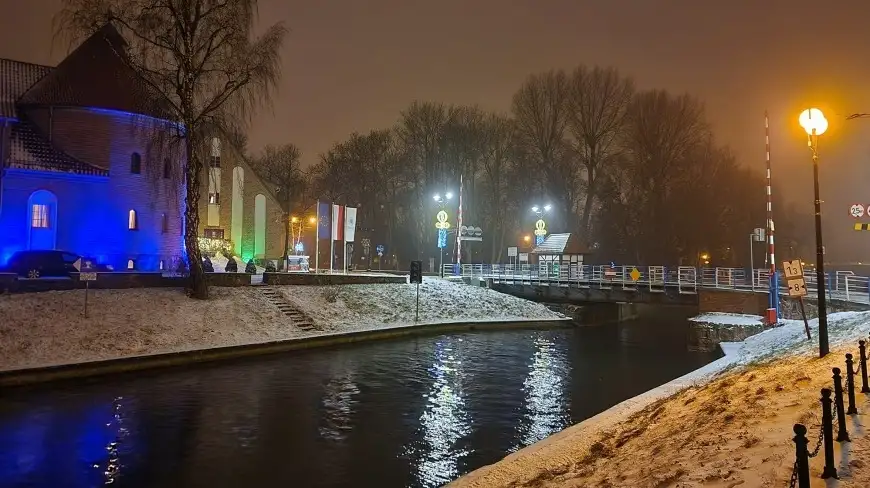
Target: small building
90,165
563,249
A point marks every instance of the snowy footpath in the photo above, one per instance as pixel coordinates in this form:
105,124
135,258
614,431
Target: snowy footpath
46,329
725,425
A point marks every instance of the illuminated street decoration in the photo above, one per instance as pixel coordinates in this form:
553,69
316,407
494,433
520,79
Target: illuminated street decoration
540,231
442,225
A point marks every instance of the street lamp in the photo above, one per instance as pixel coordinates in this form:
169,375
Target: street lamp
442,225
540,224
815,124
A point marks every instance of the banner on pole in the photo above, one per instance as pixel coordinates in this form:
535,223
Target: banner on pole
349,223
323,223
337,222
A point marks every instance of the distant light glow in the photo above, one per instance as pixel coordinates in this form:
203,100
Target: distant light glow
547,207
536,209
449,195
437,197
813,118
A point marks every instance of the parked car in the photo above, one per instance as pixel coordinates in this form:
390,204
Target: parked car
38,264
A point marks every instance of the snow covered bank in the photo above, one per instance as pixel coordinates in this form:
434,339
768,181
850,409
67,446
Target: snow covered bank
360,307
727,424
721,318
43,329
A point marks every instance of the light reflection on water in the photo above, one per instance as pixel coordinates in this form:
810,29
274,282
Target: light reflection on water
407,413
544,391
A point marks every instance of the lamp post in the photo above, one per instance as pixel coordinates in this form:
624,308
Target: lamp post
540,224
442,225
815,124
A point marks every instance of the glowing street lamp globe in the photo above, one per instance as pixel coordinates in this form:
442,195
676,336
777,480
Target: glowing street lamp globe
535,208
547,208
812,118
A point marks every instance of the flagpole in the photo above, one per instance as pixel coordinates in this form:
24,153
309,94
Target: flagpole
344,240
331,237
317,240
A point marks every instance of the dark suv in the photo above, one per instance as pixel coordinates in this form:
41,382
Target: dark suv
39,264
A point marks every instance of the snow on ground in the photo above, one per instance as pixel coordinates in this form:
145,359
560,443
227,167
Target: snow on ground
42,329
728,424
357,307
720,318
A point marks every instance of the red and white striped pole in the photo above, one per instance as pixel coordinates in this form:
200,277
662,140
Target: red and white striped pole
773,307
459,227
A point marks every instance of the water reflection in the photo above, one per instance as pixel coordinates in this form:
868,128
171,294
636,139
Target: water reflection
404,413
338,401
445,419
545,394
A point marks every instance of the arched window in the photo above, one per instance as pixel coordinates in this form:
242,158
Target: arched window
135,163
132,220
131,264
167,169
164,224
42,220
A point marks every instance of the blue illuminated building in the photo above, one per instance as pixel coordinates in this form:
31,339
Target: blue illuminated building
88,165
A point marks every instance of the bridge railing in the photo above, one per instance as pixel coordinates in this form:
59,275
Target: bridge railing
840,285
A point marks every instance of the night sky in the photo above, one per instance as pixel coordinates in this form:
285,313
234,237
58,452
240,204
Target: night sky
354,65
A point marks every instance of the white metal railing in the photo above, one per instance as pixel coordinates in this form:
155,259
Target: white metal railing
840,285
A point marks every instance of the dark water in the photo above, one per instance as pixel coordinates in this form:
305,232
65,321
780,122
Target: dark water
415,412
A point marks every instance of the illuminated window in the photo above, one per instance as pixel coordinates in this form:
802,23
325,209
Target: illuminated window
131,264
40,217
135,163
164,224
132,221
215,162
214,198
167,169
214,233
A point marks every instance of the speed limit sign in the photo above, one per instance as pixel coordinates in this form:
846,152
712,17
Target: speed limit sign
856,210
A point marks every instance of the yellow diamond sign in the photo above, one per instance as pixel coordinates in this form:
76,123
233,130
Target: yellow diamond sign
635,274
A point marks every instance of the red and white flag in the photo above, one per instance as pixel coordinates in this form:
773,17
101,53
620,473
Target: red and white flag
337,222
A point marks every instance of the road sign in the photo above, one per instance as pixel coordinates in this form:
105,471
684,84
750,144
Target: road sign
524,257
635,274
380,250
856,210
797,287
88,276
793,269
512,252
78,264
416,272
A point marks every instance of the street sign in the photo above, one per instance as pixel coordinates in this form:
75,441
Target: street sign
758,234
78,264
91,276
416,272
793,269
635,274
797,287
856,210
524,257
512,252
380,250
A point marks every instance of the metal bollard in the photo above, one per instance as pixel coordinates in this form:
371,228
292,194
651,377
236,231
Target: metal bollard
842,433
830,470
802,459
862,347
850,385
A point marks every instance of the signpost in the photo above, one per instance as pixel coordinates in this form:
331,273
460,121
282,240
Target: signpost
635,274
380,252
512,255
87,276
797,287
416,272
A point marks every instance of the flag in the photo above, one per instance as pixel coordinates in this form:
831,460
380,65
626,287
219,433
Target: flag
323,227
349,223
337,222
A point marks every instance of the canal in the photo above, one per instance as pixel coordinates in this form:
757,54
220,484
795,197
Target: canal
415,412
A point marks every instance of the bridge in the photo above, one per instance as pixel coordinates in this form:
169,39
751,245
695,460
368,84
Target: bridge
646,284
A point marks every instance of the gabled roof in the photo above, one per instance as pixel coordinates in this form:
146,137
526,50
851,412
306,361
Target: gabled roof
95,75
16,78
29,150
560,244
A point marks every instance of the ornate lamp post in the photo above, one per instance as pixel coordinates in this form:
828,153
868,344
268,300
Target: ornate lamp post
442,225
815,124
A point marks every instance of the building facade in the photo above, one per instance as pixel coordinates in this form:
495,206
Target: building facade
91,166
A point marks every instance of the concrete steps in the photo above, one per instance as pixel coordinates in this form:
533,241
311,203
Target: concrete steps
277,299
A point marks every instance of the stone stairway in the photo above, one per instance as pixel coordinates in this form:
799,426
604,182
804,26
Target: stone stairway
277,299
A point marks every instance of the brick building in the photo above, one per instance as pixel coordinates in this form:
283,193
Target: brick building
90,165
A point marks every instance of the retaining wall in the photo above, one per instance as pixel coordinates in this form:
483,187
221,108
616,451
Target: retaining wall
326,280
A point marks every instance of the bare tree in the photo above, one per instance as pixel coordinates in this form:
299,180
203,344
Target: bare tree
599,98
498,166
201,63
281,166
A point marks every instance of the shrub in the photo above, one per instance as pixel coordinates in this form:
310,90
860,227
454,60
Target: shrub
211,247
270,267
207,266
251,268
232,266
181,267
